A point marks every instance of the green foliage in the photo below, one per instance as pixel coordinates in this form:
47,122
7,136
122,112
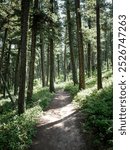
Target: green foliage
96,106
98,111
41,97
73,90
16,132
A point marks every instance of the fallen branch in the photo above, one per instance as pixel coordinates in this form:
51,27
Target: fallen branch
4,82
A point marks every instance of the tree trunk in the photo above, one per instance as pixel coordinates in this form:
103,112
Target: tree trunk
24,28
2,55
33,52
6,63
80,46
48,65
111,47
89,52
58,65
70,34
3,49
99,69
16,82
65,63
106,51
51,53
42,60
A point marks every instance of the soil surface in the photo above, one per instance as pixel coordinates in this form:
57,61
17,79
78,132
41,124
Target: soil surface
59,127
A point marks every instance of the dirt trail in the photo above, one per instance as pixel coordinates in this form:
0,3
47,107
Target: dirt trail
59,126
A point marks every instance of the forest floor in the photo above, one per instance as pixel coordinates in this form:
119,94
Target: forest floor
59,127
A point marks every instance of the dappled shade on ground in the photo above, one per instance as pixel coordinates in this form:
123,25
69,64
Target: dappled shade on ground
59,126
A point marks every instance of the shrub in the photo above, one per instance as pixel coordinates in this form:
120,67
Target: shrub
73,90
98,111
16,132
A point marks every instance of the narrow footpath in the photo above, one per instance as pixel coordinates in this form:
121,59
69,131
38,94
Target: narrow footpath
59,127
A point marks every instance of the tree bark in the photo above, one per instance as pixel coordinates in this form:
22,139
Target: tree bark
111,47
65,63
42,60
24,28
3,49
5,69
51,53
58,65
16,82
48,65
2,54
89,52
99,68
80,46
33,52
70,34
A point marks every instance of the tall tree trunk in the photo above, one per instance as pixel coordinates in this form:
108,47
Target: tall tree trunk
48,65
51,52
99,68
93,63
2,55
111,47
3,49
65,63
89,52
6,63
42,60
58,65
33,52
70,34
16,82
80,46
24,28
106,51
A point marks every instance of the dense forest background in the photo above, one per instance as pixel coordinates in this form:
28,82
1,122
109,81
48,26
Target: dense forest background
48,44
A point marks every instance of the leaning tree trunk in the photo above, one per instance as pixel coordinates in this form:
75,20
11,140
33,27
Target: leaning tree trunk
80,46
24,28
33,52
70,34
99,68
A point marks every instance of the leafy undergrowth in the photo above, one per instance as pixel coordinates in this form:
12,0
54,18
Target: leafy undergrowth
97,109
98,117
73,90
16,132
90,85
